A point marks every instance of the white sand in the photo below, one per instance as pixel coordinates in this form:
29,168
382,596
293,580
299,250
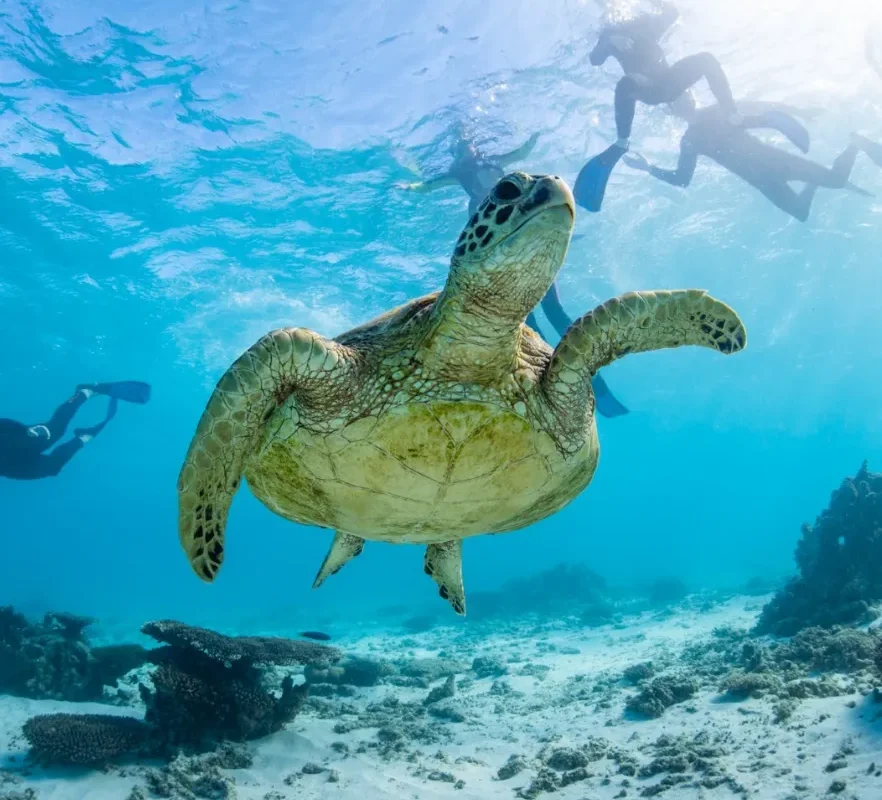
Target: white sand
771,761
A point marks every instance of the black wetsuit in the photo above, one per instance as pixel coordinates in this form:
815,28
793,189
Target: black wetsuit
24,457
648,76
477,174
765,167
651,81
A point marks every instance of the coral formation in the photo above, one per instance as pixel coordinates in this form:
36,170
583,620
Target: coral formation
638,672
52,659
197,777
84,739
489,667
439,693
248,651
207,689
839,560
661,693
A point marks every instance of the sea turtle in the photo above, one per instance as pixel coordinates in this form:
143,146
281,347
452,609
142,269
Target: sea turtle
442,419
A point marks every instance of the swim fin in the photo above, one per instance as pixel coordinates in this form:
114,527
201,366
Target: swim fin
590,186
130,391
607,404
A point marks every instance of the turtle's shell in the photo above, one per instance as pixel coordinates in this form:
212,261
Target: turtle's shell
425,469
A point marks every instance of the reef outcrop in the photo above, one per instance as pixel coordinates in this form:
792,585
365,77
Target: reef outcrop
53,659
208,688
839,560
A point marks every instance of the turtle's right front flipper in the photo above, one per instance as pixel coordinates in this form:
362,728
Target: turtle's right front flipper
635,323
289,361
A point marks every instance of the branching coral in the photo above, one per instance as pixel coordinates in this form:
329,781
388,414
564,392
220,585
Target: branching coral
84,739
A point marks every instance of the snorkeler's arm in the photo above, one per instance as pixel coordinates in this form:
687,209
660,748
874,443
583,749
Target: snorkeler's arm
423,187
682,176
520,154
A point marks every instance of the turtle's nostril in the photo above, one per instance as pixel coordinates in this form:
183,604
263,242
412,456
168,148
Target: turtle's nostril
507,191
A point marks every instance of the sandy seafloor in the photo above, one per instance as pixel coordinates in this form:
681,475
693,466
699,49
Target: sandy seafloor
562,691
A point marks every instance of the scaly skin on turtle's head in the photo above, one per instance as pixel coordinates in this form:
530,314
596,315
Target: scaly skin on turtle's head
512,248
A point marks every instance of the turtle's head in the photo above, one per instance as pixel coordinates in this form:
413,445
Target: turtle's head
513,246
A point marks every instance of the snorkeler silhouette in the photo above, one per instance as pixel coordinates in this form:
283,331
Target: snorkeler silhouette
765,167
650,80
478,174
22,447
474,171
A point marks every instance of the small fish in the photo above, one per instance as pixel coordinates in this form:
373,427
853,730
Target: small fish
322,637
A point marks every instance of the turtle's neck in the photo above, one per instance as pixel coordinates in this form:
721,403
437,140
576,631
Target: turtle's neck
470,343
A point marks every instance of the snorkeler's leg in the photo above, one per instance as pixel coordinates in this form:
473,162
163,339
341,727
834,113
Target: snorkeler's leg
590,186
94,430
57,425
797,168
797,204
682,76
589,189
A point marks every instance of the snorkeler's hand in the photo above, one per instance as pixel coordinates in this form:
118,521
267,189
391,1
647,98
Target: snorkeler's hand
636,161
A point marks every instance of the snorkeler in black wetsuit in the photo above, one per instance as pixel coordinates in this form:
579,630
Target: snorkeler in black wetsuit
478,174
650,80
765,167
475,172
23,448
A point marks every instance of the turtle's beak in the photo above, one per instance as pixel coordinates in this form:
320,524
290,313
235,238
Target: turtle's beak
550,196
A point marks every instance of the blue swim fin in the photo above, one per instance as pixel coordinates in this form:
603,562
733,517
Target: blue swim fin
607,404
590,186
130,391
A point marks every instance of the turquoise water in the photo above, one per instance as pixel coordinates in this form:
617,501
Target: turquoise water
177,179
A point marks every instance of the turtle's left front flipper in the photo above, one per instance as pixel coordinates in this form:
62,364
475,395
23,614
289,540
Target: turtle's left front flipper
634,323
290,362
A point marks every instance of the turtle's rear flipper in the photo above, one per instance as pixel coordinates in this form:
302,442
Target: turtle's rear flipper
444,564
130,391
344,548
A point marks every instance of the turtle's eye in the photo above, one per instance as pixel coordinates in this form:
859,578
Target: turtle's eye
507,191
